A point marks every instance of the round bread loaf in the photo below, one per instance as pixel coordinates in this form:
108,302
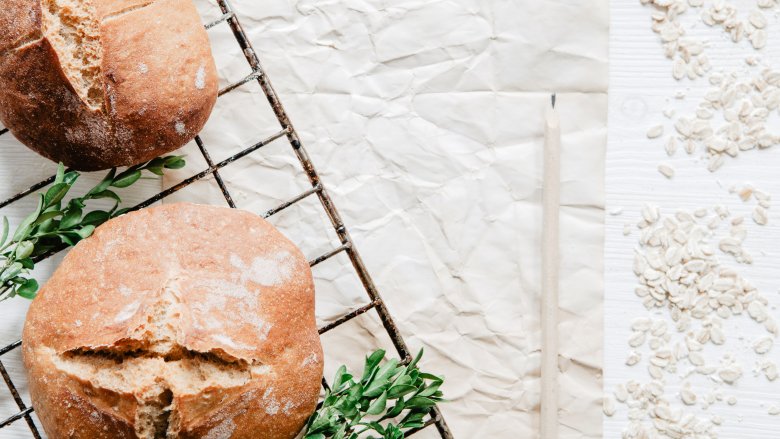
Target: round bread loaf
102,83
178,321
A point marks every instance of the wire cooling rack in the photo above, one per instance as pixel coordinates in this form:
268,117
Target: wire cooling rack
375,303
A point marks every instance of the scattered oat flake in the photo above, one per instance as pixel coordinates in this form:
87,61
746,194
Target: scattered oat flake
671,146
760,216
666,170
655,132
745,193
609,406
633,358
688,397
757,19
763,345
770,371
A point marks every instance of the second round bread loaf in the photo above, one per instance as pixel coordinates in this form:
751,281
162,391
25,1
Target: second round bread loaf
178,321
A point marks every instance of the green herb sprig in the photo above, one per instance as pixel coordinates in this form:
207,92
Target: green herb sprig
54,223
355,408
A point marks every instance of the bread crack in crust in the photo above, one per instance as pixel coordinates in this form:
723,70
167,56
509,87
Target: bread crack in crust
126,10
178,321
72,28
104,83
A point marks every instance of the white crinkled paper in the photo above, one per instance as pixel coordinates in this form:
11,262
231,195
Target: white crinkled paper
424,119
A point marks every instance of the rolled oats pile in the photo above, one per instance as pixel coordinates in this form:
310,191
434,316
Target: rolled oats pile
679,272
688,264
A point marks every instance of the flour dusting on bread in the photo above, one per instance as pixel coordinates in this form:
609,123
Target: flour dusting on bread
266,271
200,78
229,342
127,312
222,431
311,359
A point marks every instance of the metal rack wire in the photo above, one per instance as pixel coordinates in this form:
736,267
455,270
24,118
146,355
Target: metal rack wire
317,188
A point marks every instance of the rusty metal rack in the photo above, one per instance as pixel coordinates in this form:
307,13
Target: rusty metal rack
375,302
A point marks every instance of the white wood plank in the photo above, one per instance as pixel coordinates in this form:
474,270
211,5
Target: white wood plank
641,87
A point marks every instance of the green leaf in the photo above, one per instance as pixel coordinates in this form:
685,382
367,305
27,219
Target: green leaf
60,177
107,194
47,226
86,231
413,424
175,162
376,426
372,362
47,216
376,387
378,406
324,420
55,194
10,272
104,184
76,203
400,390
421,402
347,404
24,249
95,218
24,228
404,379
4,234
429,376
413,417
393,432
416,359
126,179
399,374
70,177
71,218
378,383
158,162
395,410
69,238
120,212
315,436
28,289
432,389
340,378
27,262
157,170
156,166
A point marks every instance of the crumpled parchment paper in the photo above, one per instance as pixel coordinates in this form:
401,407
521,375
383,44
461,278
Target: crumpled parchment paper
424,119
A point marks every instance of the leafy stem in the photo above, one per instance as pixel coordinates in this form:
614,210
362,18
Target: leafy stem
55,222
354,407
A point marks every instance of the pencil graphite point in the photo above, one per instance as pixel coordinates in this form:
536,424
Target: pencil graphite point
553,100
